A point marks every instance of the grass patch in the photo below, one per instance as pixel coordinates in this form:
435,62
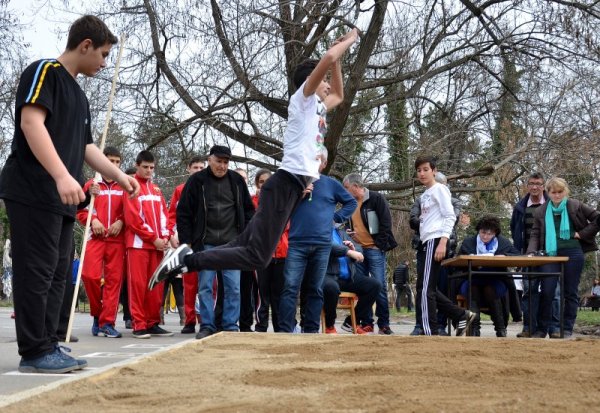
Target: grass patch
588,318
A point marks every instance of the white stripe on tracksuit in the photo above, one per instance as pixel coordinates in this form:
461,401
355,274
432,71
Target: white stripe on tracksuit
429,251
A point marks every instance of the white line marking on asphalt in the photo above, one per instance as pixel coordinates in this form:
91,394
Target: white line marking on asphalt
110,354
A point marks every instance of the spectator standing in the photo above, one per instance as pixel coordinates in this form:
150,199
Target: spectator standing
437,220
102,272
402,285
521,224
270,279
146,239
309,248
372,229
249,294
40,187
563,227
214,208
190,280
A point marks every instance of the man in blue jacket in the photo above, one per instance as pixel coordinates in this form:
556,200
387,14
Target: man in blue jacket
309,248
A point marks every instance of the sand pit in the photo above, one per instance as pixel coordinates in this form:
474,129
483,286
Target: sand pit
274,373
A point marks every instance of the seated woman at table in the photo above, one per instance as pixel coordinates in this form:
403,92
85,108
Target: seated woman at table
563,227
488,290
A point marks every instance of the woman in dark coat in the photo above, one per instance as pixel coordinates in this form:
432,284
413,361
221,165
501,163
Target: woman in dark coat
563,227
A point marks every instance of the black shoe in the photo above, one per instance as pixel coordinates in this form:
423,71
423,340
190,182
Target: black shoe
172,264
442,332
158,331
347,325
524,334
203,334
188,329
465,321
141,334
501,333
539,334
476,331
62,339
386,331
128,325
417,331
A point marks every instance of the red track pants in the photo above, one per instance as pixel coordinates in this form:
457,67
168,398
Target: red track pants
103,260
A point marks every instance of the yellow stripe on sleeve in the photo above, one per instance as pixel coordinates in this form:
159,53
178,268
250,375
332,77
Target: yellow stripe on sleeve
41,81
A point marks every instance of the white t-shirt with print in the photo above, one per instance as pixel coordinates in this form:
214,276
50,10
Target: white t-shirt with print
305,134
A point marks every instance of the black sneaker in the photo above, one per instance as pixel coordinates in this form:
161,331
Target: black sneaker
203,334
141,334
128,325
465,321
417,331
386,331
188,329
347,325
158,331
172,264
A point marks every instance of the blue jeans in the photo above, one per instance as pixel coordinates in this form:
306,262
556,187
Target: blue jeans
303,261
374,264
554,325
572,274
231,298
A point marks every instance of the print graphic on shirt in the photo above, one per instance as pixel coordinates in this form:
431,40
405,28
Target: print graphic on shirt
320,138
425,205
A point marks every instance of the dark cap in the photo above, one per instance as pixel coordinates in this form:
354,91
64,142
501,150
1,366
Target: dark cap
220,151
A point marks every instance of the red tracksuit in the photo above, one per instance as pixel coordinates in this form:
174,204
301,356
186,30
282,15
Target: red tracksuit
190,279
146,219
104,255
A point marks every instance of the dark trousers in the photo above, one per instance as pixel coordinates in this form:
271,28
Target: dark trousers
41,251
65,309
254,247
124,297
177,286
248,299
429,298
367,289
270,285
402,290
573,269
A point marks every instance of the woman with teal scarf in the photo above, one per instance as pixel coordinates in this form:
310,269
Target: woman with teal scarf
562,227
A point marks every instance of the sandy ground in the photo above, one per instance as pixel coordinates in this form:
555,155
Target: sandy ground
241,372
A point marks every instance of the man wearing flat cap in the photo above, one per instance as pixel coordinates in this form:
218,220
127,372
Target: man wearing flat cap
214,208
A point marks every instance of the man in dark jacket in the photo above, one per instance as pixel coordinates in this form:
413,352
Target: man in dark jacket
372,229
521,224
214,208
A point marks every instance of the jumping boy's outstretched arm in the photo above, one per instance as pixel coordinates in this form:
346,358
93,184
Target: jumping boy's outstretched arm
330,60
